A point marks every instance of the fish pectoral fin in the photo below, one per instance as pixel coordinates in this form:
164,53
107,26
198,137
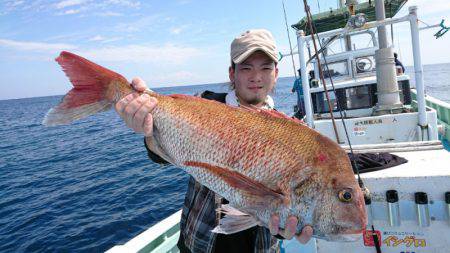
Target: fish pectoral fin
259,191
152,144
234,221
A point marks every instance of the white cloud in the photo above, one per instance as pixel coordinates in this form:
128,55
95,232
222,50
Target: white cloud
109,14
146,23
70,12
35,46
184,75
427,8
16,3
107,40
176,30
69,3
166,54
127,3
99,38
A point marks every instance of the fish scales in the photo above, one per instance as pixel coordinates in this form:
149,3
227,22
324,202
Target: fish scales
230,140
261,161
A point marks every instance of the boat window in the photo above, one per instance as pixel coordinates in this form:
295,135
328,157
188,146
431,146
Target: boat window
365,64
335,47
358,97
361,41
336,70
321,104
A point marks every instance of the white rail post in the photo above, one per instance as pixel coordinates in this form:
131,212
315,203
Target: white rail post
418,69
305,82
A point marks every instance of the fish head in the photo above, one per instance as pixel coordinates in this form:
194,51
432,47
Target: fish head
328,197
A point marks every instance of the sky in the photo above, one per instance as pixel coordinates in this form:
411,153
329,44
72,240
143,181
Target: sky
167,43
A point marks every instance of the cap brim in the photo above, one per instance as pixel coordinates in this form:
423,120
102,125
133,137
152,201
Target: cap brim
245,55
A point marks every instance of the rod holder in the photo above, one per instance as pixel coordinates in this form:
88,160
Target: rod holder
423,212
393,208
447,203
368,202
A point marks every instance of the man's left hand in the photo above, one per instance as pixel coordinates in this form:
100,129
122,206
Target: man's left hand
290,229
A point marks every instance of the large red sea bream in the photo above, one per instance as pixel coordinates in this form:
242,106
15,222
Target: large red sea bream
262,162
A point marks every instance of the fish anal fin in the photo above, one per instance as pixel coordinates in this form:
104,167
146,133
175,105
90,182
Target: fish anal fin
234,221
241,182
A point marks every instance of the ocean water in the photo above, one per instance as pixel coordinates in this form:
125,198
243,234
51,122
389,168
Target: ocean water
89,186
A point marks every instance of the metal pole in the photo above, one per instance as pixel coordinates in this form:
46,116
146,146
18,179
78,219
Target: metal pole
381,15
305,83
418,69
387,86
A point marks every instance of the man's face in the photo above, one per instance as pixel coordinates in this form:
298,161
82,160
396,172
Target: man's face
254,78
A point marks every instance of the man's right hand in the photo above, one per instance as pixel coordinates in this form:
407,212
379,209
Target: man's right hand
135,108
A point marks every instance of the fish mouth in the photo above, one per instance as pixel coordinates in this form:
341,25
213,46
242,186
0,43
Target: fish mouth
349,237
341,237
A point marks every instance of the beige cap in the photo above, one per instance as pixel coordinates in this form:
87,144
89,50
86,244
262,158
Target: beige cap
252,41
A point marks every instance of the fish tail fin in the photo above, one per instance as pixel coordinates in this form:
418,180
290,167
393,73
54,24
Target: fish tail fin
95,89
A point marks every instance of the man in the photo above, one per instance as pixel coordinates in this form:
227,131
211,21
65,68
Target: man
398,63
253,74
300,101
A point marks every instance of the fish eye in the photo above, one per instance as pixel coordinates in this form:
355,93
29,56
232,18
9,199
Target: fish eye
345,195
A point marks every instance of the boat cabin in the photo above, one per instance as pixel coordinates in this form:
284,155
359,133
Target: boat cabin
353,74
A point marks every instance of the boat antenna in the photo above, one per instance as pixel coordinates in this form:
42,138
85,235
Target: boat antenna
312,29
289,38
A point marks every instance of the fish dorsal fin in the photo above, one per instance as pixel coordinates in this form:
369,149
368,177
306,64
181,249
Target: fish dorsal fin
237,180
271,113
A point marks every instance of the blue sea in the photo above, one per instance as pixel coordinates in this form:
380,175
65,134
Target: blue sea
89,186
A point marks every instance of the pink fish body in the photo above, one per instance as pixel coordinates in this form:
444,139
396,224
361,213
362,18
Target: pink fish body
261,161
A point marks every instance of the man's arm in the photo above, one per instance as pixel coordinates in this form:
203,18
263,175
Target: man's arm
135,109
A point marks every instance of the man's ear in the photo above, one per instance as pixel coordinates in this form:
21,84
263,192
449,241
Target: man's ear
276,72
231,74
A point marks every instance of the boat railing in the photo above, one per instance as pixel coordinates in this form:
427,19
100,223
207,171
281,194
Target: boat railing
162,237
442,110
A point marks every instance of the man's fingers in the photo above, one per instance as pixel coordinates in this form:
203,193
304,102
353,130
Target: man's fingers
306,235
148,125
141,112
139,120
121,104
138,84
130,111
274,224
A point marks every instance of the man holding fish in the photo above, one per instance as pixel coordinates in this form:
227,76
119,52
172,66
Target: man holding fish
251,176
253,74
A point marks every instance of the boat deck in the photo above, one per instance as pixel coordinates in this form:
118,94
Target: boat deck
426,170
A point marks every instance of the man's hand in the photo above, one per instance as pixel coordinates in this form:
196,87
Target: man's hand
135,108
290,228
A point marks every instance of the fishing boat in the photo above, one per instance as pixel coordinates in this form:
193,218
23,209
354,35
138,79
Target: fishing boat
367,105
